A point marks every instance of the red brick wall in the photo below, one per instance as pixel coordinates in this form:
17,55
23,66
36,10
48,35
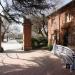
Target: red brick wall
60,23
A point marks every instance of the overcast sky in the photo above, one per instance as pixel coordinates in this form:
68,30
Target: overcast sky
64,2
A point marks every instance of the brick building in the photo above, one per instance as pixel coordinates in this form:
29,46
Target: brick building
61,25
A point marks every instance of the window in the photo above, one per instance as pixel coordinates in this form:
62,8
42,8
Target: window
68,17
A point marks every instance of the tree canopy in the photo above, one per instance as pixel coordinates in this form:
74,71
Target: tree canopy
13,9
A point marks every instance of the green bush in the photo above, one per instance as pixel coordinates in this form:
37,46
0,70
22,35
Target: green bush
50,47
39,42
35,43
42,42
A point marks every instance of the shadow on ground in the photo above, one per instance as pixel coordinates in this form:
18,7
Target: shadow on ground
18,51
40,65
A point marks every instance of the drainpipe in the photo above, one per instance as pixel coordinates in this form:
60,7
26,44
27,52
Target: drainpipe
59,28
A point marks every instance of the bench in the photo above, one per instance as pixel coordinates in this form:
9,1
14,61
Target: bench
66,54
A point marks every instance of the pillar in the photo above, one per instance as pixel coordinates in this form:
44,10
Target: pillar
27,34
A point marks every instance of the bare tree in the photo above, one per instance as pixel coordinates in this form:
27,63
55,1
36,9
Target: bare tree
4,28
21,8
40,25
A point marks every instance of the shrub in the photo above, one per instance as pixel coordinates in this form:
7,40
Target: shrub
39,42
35,43
42,42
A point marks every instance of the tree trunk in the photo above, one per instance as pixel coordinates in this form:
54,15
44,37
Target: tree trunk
0,34
7,38
46,33
1,49
2,37
40,32
43,23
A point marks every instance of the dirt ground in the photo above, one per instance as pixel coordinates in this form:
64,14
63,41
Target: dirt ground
40,62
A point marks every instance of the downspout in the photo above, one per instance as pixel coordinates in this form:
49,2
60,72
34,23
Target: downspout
59,28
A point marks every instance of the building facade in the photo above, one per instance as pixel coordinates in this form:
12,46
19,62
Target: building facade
61,25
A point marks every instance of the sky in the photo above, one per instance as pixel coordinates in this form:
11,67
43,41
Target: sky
65,1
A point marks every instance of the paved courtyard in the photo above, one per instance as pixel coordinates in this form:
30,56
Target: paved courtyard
40,62
15,61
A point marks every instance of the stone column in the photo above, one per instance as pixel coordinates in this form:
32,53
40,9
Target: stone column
27,34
